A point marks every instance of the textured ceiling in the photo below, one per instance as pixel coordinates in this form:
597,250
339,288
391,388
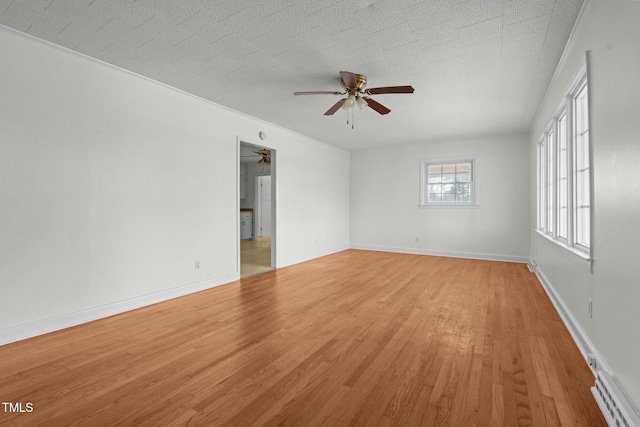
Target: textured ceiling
479,67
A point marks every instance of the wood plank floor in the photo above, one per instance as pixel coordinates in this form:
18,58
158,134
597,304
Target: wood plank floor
356,338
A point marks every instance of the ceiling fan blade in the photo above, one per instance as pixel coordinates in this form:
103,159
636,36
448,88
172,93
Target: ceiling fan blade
389,89
377,106
319,92
349,79
335,107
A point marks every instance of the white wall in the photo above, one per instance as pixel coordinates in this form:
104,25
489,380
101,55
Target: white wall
385,196
111,186
610,31
316,210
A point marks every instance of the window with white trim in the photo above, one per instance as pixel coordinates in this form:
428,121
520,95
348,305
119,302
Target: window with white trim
562,177
542,186
564,173
448,182
551,183
582,170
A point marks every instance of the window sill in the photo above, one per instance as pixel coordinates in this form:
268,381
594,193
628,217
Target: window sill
448,206
582,258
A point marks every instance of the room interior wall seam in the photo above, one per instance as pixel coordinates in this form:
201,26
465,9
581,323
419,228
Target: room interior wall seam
452,254
52,324
566,253
565,53
579,336
309,257
123,70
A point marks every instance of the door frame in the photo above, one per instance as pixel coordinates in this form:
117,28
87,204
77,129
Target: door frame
274,195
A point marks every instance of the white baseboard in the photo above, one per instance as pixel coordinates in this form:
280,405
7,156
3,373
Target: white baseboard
576,331
44,326
309,257
451,254
613,400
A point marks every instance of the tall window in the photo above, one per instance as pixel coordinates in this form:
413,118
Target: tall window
582,170
563,179
564,173
450,182
551,182
542,186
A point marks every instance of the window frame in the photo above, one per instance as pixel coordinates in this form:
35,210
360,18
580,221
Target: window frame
542,185
549,171
550,180
566,135
577,137
424,185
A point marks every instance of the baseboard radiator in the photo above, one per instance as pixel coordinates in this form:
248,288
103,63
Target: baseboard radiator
613,402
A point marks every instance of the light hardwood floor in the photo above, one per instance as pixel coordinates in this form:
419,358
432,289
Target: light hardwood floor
255,256
355,338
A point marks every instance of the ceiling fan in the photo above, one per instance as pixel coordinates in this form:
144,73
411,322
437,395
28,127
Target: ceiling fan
264,156
354,87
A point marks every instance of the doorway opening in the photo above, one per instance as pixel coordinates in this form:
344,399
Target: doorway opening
257,208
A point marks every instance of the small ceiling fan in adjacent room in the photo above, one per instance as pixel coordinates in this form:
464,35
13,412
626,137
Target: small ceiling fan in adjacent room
354,87
263,155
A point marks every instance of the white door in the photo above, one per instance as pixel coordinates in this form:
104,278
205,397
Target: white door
263,194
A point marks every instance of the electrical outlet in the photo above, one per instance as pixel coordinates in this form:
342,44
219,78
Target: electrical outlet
197,265
590,308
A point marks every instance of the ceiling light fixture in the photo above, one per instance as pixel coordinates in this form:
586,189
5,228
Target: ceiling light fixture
350,102
354,86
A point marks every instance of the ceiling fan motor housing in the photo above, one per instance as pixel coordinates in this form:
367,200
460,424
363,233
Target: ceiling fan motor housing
361,82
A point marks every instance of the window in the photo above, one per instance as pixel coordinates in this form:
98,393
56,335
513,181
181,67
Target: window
448,182
564,173
542,186
582,170
551,183
563,179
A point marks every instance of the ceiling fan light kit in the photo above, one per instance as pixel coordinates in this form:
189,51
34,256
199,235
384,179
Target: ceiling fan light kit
265,156
354,87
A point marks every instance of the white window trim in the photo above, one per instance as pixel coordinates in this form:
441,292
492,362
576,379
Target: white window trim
566,106
475,171
541,202
576,255
551,147
579,84
564,110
